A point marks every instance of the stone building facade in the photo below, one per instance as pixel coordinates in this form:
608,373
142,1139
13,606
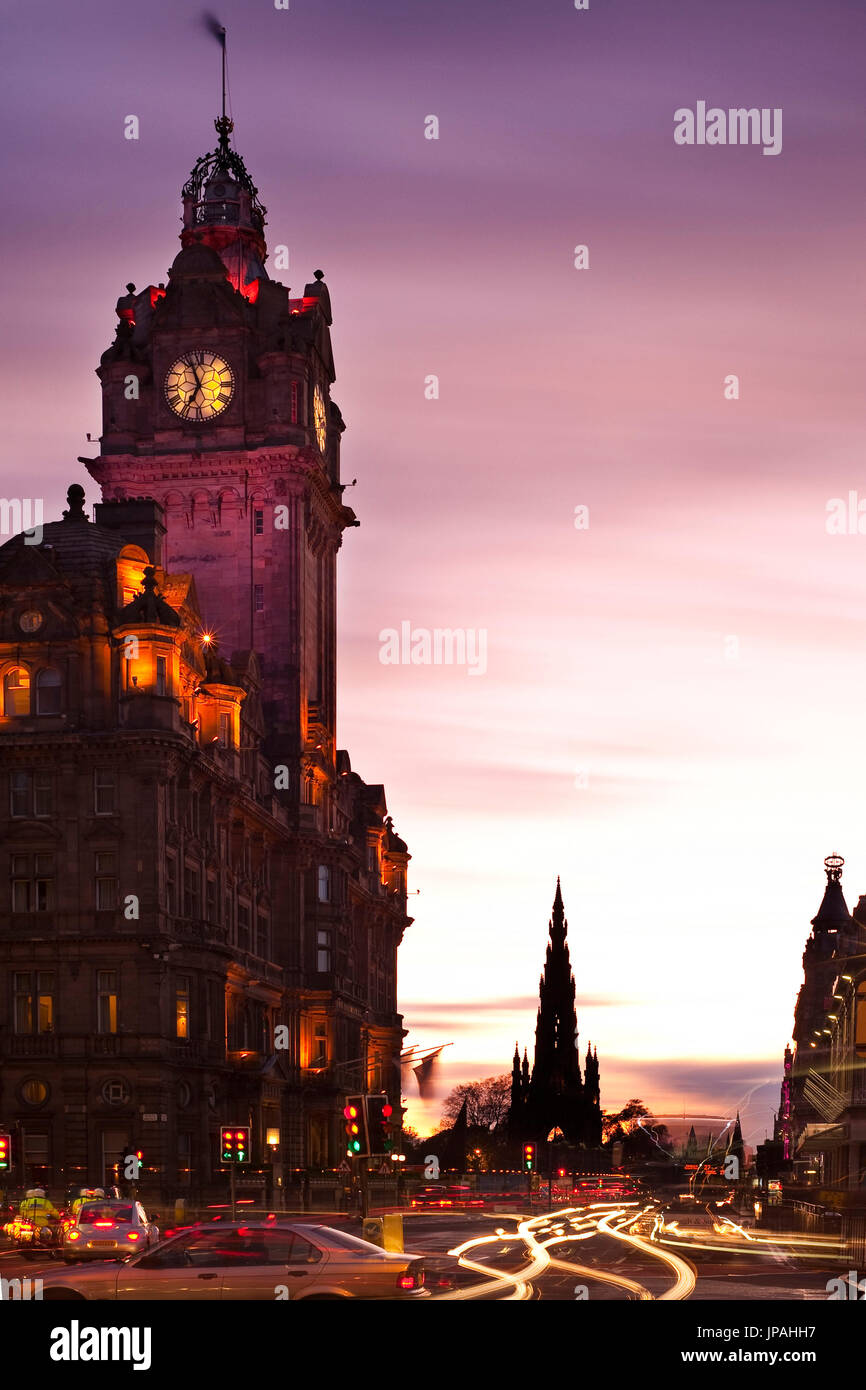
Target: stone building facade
203,902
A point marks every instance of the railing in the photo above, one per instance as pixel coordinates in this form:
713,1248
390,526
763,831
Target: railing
30,1045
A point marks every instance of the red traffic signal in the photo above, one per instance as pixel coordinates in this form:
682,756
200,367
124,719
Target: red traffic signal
353,1113
379,1113
235,1143
529,1153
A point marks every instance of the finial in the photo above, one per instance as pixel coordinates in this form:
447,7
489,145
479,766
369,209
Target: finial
75,498
318,274
833,867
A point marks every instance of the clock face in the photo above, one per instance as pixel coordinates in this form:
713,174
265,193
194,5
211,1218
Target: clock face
320,419
199,385
30,621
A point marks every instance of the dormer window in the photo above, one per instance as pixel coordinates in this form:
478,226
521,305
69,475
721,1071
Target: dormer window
16,692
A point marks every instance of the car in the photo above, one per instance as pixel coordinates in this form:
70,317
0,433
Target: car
456,1196
103,1229
249,1260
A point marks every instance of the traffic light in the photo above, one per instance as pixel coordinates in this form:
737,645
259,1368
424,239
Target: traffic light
356,1139
5,1153
379,1113
529,1157
235,1144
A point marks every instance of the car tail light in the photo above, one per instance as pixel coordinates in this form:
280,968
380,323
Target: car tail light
410,1280
74,1235
134,1235
103,1224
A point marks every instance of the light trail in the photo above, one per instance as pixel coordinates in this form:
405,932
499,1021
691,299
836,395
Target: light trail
685,1275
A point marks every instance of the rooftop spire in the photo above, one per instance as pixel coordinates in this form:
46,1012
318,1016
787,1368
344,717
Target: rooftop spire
833,912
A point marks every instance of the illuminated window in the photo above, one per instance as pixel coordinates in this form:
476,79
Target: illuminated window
860,1017
106,880
259,522
104,792
48,691
34,1092
34,1001
320,1044
181,1007
16,691
106,1001
32,882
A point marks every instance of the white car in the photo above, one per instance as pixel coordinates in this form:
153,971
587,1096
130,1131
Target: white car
106,1230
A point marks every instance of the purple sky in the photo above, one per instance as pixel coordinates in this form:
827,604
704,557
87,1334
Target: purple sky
718,772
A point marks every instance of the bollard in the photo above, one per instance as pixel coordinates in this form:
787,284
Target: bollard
393,1232
373,1230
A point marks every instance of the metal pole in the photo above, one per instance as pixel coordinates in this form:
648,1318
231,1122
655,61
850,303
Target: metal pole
232,1180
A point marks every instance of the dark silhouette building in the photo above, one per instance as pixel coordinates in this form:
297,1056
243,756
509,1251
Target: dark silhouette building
554,1099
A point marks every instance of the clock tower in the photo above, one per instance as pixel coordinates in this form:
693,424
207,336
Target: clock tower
217,404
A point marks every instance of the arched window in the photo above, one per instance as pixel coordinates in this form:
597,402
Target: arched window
16,691
49,686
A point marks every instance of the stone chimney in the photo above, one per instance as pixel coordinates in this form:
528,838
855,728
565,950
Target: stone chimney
140,520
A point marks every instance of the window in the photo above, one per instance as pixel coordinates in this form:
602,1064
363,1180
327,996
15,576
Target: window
323,951
34,1001
115,1092
320,1044
294,402
106,1001
20,798
106,880
191,891
211,900
258,522
181,1007
48,691
262,936
31,793
43,794
171,883
244,925
161,676
259,591
32,882
16,691
104,792
324,883
34,1092
225,733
